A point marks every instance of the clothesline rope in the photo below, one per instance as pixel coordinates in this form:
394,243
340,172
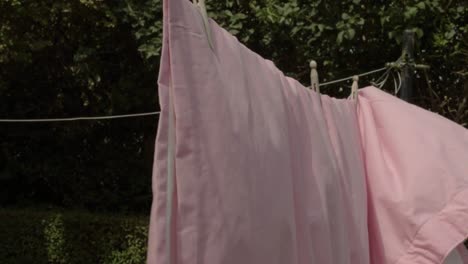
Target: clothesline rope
77,118
351,77
42,120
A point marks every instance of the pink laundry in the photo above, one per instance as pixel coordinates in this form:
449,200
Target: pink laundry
251,167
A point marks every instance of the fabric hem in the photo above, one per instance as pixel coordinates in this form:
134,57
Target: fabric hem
441,234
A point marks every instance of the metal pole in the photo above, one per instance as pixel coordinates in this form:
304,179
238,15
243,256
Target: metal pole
407,70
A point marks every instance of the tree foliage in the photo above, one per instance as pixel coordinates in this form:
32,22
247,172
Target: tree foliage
94,57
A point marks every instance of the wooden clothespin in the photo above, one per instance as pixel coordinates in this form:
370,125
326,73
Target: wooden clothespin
314,78
354,87
206,20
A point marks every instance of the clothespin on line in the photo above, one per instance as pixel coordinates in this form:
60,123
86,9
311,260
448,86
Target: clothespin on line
206,21
354,87
314,78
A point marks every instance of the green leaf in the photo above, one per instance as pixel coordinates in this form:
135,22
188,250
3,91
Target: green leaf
384,19
339,38
419,32
450,34
410,12
351,33
421,5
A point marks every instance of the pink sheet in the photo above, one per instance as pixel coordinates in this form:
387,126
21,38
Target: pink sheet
417,176
251,167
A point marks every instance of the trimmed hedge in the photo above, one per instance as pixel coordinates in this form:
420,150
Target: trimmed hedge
71,237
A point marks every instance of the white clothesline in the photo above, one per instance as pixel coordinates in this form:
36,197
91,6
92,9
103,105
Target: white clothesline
77,118
351,77
39,120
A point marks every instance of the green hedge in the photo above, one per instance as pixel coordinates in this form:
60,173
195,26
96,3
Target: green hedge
72,237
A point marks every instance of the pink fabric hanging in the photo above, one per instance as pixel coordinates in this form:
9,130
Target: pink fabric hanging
417,176
251,167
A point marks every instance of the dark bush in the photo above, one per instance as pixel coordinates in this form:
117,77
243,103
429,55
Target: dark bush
71,237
